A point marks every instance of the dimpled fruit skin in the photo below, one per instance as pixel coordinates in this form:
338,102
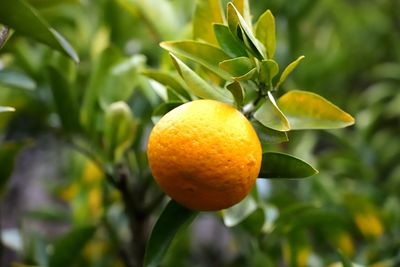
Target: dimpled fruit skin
205,155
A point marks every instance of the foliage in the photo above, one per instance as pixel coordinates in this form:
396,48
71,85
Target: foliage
101,109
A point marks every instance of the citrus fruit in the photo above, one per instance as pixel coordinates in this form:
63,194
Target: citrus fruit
205,155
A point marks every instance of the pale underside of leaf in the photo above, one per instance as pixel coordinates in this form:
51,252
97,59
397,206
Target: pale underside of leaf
205,54
200,87
271,116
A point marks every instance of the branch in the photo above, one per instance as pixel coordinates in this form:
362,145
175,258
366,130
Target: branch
4,36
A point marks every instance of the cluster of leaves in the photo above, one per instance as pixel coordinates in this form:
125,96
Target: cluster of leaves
236,65
352,205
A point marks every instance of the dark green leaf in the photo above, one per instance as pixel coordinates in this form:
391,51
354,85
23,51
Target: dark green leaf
279,165
172,219
206,13
271,116
23,18
67,249
198,86
205,54
8,153
306,110
268,136
239,28
16,79
237,67
265,32
236,214
169,80
237,91
289,69
65,104
228,42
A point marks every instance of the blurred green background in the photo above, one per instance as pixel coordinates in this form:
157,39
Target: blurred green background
352,51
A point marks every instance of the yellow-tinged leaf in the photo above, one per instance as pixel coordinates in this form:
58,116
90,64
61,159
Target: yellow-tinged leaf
369,224
92,173
265,32
345,243
206,13
289,69
243,7
306,110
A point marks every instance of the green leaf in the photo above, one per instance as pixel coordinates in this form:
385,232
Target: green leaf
307,110
237,91
51,3
6,109
100,71
238,213
271,116
228,42
265,32
237,67
120,80
169,80
8,153
268,70
16,79
206,13
23,18
67,248
172,219
198,86
279,165
119,130
289,69
65,104
239,28
207,55
268,136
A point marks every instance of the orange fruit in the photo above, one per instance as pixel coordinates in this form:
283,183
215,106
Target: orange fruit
205,155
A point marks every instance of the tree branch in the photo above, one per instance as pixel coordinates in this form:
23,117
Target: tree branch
4,36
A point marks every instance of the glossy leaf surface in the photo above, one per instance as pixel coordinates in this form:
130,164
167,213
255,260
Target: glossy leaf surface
228,42
289,69
279,165
23,18
173,218
265,32
306,110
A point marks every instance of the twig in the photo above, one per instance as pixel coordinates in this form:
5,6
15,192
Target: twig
4,36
